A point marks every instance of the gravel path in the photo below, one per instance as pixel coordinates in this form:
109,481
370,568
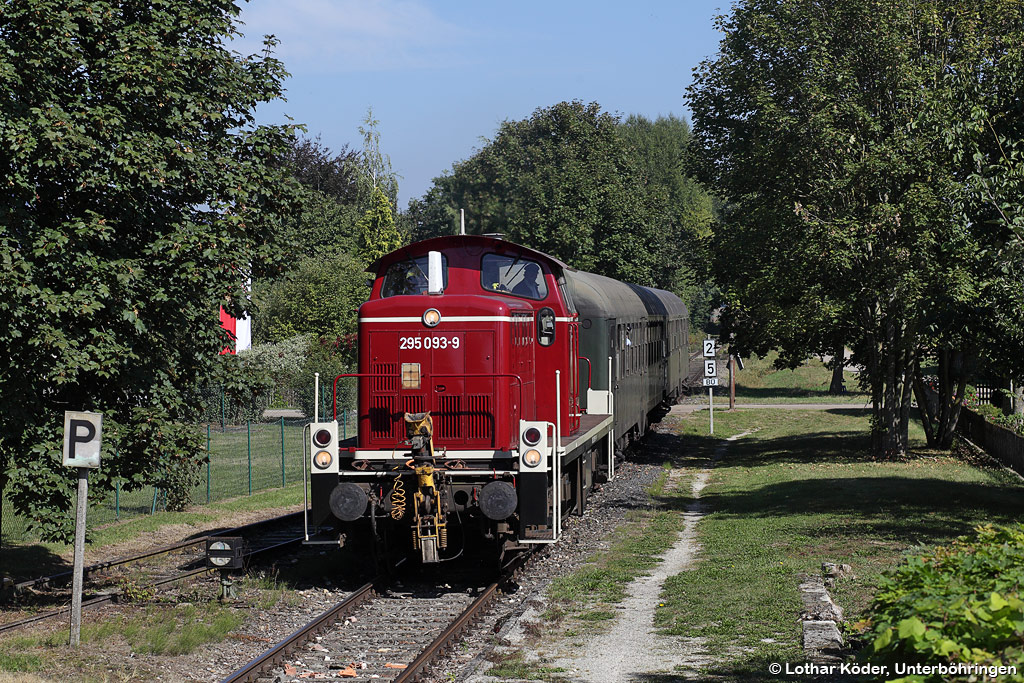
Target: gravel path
631,649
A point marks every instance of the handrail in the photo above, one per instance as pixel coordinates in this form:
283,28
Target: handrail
590,370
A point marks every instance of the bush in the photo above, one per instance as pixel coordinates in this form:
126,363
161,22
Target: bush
988,411
959,603
329,357
240,391
1014,422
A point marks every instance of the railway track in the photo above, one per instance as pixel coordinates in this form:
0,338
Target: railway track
151,568
381,632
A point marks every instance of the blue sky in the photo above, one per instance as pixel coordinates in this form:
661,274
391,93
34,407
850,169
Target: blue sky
442,75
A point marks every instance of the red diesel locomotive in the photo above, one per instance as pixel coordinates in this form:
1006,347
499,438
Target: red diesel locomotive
495,386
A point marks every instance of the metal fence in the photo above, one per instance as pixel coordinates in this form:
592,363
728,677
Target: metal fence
243,459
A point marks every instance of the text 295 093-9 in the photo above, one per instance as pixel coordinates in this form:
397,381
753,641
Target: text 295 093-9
429,342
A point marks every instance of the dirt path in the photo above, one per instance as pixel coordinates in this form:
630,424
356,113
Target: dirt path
631,650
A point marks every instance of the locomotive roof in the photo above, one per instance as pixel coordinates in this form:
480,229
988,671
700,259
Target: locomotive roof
439,243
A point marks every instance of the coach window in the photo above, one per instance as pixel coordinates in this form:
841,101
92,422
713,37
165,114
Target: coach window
410,276
513,275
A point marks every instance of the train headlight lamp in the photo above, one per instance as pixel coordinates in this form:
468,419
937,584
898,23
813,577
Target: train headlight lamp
532,436
531,458
322,437
323,447
431,317
323,460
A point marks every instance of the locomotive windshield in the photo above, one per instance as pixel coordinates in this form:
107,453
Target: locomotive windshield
513,275
410,276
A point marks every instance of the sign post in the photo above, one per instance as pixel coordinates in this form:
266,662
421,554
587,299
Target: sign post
82,435
710,377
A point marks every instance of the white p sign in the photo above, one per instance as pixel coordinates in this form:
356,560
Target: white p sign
82,435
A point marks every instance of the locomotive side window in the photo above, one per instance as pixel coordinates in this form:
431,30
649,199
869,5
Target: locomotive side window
513,275
410,276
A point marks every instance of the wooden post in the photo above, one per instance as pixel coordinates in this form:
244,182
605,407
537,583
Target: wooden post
76,584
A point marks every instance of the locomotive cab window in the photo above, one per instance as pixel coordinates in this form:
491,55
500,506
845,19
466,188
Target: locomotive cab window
410,276
513,275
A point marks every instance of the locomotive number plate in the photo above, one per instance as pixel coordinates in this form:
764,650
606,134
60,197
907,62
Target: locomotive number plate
429,342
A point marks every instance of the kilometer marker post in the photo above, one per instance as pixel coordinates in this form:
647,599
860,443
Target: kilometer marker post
710,377
711,407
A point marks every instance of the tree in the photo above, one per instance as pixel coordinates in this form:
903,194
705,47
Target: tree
660,148
565,182
318,168
318,298
138,195
827,126
377,230
331,202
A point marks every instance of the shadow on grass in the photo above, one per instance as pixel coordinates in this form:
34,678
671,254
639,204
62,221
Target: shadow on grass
918,507
756,393
23,562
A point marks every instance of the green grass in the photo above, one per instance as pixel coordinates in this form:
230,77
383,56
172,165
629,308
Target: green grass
154,630
760,382
227,476
586,594
800,491
514,666
36,559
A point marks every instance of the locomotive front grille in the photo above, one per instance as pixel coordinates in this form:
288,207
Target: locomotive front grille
450,417
383,422
479,419
412,404
385,377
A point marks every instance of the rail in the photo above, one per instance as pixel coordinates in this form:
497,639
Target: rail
59,579
275,656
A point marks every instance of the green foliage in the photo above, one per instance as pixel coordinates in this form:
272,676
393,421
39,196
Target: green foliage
375,173
319,298
958,603
138,195
132,591
563,181
329,357
376,228
833,135
317,168
331,201
660,147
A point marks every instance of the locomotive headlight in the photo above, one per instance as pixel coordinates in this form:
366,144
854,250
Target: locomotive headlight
322,437
323,459
531,458
431,317
532,436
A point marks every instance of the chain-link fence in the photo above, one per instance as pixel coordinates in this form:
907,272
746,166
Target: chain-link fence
243,459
